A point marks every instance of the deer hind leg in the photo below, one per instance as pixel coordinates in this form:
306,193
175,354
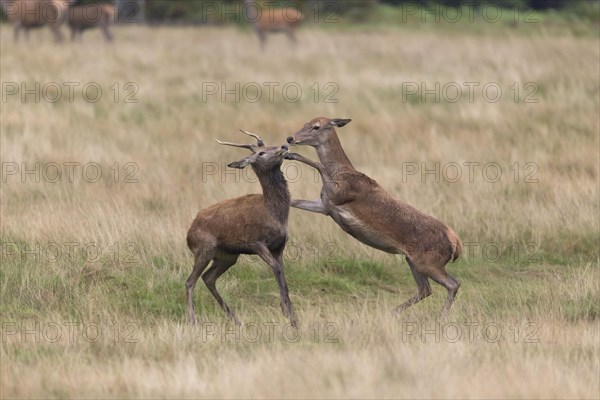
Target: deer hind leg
107,34
451,284
275,261
58,37
17,31
203,257
423,288
262,36
220,265
291,35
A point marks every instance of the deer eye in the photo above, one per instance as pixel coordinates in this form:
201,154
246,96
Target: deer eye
316,128
262,153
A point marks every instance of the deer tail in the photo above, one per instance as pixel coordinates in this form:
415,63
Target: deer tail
458,249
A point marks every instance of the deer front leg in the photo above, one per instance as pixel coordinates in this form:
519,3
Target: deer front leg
275,261
316,206
262,36
304,160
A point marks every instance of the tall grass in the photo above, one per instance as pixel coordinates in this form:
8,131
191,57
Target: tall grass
112,253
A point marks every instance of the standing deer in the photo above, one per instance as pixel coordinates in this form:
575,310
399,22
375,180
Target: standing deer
30,14
367,212
89,16
273,20
252,224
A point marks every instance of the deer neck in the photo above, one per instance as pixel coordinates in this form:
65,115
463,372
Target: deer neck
332,155
275,192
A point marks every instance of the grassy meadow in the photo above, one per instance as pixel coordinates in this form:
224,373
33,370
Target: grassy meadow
98,193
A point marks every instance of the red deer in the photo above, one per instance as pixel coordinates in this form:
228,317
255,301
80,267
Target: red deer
268,19
30,14
89,16
367,212
252,224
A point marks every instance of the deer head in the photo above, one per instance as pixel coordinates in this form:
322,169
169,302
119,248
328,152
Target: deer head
263,158
317,131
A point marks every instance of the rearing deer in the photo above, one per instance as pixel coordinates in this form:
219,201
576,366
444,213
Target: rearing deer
273,20
367,212
252,224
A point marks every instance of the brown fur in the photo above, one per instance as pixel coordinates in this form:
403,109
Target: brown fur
367,212
252,224
91,16
30,14
274,20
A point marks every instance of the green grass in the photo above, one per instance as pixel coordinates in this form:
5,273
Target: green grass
152,289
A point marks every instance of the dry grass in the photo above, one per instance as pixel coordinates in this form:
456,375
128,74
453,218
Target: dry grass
169,135
374,359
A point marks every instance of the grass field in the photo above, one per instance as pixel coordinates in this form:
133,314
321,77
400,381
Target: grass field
97,198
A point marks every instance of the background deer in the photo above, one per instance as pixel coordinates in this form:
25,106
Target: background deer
368,213
252,224
268,20
89,16
30,14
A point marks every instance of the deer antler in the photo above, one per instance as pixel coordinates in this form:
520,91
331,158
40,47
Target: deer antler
250,147
259,141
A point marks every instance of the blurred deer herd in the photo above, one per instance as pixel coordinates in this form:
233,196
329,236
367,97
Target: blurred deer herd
29,14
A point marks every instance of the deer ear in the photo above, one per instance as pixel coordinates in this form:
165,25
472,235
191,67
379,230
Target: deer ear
241,164
339,122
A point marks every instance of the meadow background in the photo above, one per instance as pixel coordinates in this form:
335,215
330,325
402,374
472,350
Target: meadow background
94,261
